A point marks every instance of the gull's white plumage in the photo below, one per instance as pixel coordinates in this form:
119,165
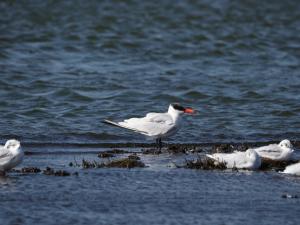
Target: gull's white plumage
293,169
11,155
279,152
241,160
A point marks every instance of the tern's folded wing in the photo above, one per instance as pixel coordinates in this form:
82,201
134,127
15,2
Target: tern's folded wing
155,126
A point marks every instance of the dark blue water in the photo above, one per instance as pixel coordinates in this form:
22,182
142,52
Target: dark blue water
67,65
156,194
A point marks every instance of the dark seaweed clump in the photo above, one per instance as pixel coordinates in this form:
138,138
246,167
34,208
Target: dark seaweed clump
134,157
228,148
50,171
151,151
177,149
105,155
111,153
30,170
205,164
269,164
129,162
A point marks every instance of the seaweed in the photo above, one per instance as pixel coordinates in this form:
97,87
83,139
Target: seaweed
228,148
129,162
151,151
52,172
134,157
269,164
205,164
105,155
30,170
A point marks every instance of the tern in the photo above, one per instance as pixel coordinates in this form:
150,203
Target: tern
241,160
11,155
156,126
278,152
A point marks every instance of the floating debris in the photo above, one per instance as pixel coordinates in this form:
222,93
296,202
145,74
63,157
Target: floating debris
286,195
50,171
205,164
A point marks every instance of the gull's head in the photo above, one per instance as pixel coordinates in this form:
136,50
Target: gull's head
12,144
179,109
286,144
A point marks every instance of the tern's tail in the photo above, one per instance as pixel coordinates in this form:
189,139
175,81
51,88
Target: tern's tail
112,123
210,156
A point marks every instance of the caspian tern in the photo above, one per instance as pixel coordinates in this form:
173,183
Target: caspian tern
241,160
156,125
279,152
11,155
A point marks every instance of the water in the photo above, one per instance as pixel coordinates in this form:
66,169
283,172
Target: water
157,194
67,65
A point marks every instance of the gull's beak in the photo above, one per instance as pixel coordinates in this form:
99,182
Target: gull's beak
190,111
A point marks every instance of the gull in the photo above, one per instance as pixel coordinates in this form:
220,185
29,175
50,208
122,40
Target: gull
241,160
156,126
278,152
11,155
293,169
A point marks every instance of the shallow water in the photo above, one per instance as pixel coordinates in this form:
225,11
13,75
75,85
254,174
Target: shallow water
157,194
65,66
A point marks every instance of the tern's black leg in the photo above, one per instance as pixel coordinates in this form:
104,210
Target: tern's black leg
159,143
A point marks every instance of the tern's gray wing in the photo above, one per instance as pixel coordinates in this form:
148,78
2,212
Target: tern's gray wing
163,118
152,125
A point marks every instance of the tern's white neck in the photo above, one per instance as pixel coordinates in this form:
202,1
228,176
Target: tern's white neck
174,113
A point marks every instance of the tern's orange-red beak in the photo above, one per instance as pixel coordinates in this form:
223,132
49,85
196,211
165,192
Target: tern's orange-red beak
189,111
